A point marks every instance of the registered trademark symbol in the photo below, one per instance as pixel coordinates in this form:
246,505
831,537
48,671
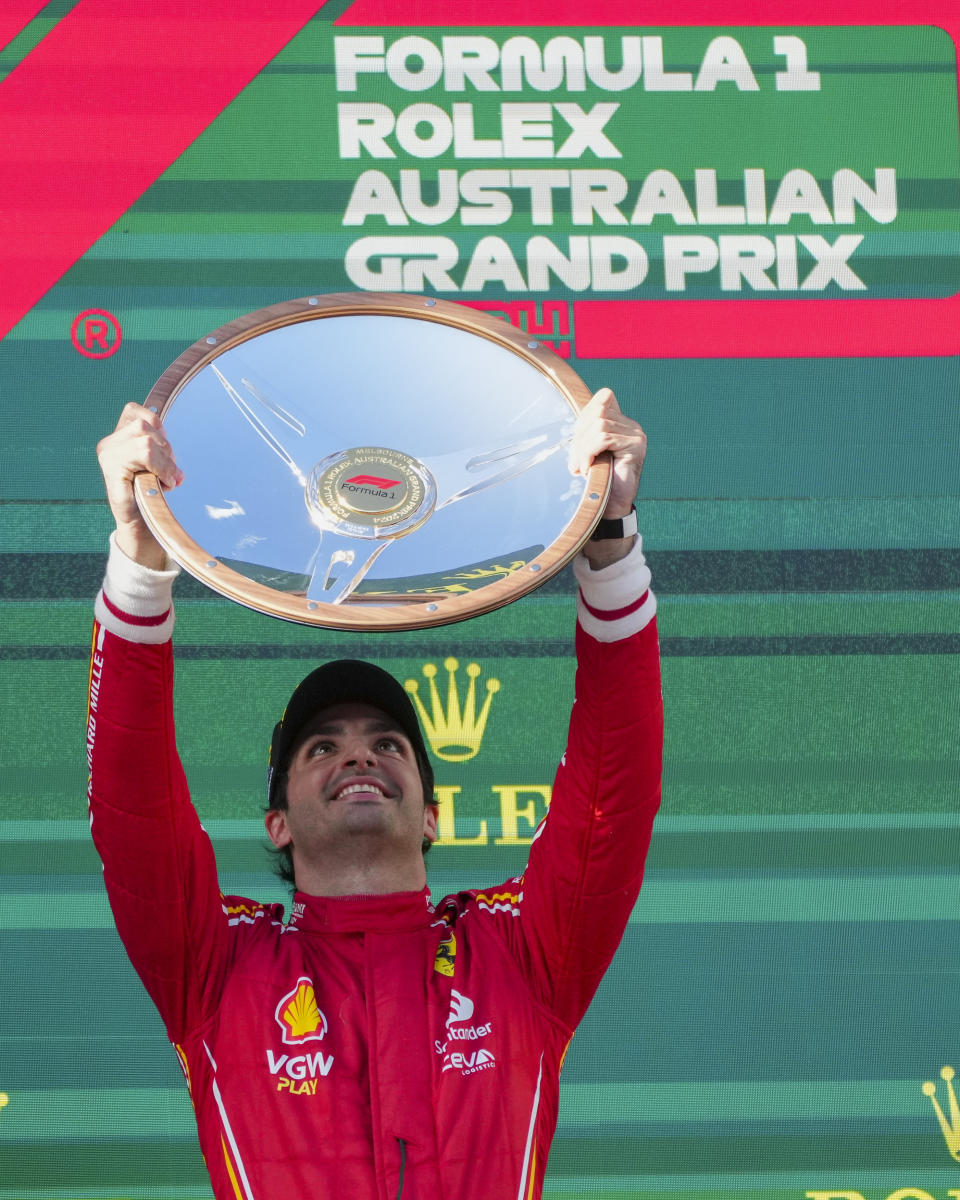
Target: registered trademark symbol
96,333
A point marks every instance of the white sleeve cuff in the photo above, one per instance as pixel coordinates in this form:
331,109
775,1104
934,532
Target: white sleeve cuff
136,602
615,601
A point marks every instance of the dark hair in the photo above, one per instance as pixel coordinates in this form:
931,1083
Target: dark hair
283,855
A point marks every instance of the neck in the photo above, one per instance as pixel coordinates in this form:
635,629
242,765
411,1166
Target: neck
360,875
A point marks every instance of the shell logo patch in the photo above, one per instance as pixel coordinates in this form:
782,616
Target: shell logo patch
299,1015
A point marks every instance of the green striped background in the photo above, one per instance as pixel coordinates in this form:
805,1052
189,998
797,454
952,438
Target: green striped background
790,976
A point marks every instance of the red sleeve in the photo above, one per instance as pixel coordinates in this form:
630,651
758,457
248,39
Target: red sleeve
158,862
586,863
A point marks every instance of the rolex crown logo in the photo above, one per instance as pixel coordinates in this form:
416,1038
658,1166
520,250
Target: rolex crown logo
454,733
950,1125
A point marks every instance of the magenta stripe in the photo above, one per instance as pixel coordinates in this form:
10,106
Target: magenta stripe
83,133
631,14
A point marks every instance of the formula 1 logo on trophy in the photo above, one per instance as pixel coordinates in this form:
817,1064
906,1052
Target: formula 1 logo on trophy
370,461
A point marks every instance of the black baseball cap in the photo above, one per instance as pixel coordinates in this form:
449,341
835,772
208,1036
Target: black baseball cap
347,680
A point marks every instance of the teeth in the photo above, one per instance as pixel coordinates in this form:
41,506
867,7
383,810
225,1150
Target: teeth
360,787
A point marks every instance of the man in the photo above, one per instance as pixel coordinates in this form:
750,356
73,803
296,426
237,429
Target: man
377,1045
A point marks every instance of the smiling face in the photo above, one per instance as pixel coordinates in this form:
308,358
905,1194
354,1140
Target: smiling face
354,792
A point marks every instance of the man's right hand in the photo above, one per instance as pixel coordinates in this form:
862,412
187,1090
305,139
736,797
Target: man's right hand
137,444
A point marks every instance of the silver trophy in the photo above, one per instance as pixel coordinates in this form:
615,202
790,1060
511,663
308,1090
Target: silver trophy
371,461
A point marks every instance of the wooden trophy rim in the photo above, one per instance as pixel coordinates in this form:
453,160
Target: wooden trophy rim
360,613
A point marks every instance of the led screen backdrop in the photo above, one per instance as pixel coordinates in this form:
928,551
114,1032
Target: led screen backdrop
743,217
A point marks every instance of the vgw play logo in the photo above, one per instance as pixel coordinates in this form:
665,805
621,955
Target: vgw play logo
301,1022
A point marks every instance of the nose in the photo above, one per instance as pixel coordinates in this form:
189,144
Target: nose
358,752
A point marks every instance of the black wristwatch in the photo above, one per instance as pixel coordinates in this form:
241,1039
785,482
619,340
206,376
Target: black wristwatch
616,527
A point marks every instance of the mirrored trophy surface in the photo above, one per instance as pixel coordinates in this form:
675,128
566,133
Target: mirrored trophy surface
371,461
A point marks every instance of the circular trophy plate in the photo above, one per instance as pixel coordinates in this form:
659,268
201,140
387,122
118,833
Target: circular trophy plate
371,461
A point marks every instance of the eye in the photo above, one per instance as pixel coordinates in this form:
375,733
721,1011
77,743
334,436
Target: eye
319,747
390,744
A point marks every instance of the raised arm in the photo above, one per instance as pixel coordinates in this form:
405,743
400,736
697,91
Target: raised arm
137,444
586,863
158,864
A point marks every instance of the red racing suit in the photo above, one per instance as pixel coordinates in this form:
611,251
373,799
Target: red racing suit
375,1047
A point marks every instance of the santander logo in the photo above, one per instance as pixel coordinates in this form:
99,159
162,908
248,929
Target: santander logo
461,1007
470,1058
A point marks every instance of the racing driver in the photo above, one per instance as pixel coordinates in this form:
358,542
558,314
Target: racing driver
376,1045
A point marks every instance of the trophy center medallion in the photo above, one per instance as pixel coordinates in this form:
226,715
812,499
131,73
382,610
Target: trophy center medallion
370,488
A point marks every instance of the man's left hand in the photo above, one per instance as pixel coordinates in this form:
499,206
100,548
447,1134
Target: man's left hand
602,426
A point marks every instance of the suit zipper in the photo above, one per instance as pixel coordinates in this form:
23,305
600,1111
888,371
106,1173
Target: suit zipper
403,1165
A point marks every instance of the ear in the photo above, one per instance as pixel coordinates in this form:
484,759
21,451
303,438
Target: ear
277,829
430,822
